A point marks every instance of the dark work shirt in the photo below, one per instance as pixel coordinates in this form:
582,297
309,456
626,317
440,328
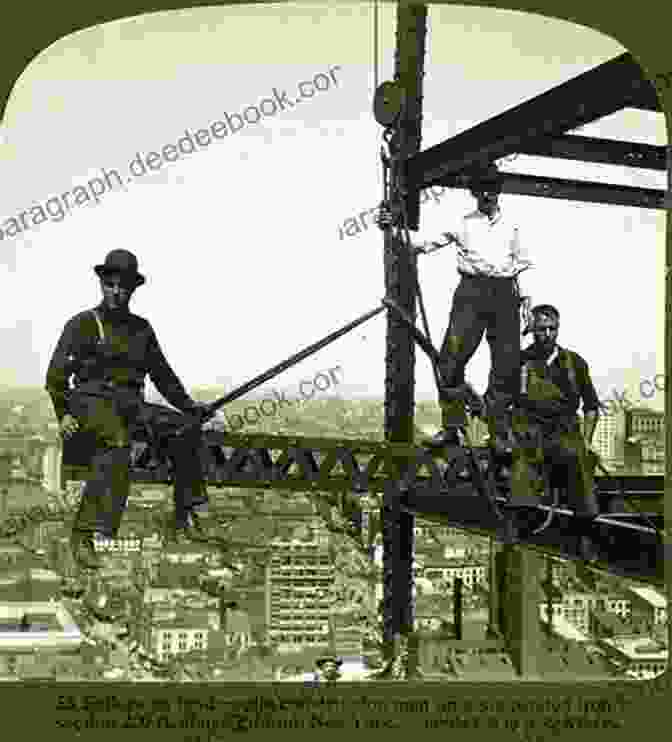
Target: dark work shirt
131,352
557,373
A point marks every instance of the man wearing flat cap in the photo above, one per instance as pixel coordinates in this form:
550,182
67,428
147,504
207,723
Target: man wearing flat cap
554,381
96,382
486,300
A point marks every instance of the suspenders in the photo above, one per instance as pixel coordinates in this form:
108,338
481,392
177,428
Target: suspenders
566,361
101,331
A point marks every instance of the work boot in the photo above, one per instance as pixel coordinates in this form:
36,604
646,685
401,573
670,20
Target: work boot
587,547
83,550
587,550
453,417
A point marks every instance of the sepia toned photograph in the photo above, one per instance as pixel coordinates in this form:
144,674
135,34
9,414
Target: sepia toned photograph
333,354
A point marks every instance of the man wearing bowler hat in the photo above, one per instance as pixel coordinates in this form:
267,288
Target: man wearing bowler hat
328,668
96,382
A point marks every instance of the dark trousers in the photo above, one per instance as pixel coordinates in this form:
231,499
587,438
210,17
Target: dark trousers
491,305
571,468
115,421
566,458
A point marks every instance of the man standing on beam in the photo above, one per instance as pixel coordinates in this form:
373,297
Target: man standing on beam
554,381
487,299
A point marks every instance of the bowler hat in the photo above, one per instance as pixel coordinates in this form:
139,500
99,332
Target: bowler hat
122,262
321,661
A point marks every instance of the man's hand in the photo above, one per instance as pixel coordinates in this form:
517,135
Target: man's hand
68,426
384,218
200,409
447,238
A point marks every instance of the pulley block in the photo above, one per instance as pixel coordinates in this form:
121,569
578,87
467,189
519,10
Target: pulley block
388,103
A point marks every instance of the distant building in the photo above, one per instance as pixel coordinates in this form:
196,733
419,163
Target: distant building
439,569
638,657
51,467
179,634
644,421
298,581
649,605
645,440
52,627
605,436
236,628
576,607
346,636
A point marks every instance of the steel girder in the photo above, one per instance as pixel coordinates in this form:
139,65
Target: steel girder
305,464
573,190
599,92
630,545
400,268
597,150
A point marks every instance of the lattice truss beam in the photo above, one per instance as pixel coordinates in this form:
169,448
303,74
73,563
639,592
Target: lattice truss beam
298,463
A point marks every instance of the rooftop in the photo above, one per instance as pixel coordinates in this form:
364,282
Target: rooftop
651,596
236,622
189,622
638,648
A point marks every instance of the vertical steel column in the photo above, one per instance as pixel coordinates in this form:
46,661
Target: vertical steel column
521,595
549,595
494,630
668,373
5,482
457,607
400,267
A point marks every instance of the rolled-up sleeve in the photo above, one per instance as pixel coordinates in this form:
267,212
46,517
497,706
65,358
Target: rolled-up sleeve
519,252
59,371
164,378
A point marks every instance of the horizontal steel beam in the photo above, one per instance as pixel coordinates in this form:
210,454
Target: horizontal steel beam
610,87
295,462
572,190
626,549
594,149
299,463
640,484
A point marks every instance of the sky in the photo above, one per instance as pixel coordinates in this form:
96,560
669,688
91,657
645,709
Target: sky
240,240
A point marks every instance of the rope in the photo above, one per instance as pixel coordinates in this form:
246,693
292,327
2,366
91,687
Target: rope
393,195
